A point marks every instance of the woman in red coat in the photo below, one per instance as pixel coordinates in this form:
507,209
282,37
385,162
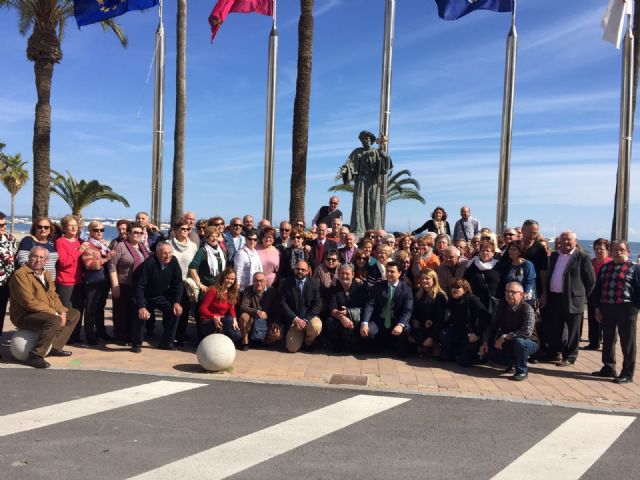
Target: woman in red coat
218,308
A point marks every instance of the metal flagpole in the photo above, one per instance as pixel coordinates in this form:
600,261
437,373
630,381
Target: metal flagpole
270,140
621,214
158,125
385,94
502,210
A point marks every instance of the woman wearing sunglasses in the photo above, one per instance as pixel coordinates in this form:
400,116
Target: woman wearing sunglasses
293,254
95,258
41,235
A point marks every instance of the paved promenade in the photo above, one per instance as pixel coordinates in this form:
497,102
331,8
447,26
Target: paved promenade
547,383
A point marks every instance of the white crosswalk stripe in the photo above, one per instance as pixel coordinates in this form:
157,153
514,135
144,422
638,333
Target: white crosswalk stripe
74,409
272,441
570,450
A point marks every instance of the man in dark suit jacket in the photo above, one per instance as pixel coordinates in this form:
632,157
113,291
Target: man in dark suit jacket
385,319
346,300
158,284
571,280
300,305
259,302
321,245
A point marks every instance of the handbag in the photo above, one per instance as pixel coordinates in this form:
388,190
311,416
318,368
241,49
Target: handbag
258,330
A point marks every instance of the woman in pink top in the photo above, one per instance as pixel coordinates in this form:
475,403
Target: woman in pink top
269,255
69,269
601,250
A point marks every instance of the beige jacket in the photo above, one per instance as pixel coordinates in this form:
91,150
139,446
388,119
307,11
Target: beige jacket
29,295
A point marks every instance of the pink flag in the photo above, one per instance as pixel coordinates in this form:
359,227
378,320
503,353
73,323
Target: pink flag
225,7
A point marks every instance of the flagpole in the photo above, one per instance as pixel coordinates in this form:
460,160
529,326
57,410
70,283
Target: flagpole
269,148
502,210
385,95
621,212
158,124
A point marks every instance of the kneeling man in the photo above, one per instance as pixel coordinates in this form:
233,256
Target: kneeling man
511,338
35,306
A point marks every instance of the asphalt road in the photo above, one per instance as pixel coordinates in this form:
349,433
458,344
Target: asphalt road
409,437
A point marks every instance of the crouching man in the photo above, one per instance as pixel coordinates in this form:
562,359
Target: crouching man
35,306
511,338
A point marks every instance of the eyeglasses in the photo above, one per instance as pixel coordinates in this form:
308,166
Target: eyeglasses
219,224
236,225
285,229
298,237
43,227
184,229
252,239
3,224
202,227
98,230
332,259
333,203
513,292
509,234
136,232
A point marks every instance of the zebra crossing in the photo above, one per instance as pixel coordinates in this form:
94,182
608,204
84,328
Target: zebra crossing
144,427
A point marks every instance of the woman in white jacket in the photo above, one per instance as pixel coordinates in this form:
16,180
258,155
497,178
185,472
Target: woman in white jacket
247,262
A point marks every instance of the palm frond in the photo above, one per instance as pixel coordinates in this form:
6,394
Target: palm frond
79,194
116,29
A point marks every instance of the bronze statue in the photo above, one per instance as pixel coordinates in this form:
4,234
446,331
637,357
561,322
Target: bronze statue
366,167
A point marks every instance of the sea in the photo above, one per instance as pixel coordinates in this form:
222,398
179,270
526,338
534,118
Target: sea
23,225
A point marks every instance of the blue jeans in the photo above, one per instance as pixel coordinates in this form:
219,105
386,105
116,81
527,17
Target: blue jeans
209,327
515,352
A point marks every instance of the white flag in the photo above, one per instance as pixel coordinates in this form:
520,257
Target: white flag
613,21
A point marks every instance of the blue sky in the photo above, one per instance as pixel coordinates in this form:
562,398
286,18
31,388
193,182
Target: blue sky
445,110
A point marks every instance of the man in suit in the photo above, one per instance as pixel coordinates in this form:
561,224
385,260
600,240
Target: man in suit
346,300
300,305
328,212
283,241
259,302
571,280
157,283
233,239
386,315
321,245
35,305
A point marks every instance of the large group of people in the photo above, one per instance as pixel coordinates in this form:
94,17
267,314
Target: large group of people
471,297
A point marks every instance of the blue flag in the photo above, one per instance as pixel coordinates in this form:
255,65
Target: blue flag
93,11
454,9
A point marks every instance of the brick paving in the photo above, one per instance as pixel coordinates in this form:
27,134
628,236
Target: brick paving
547,383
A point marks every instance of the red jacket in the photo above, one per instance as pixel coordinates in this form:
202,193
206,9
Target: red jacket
68,268
212,306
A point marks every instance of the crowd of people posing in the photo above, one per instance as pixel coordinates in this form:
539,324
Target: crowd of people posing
469,297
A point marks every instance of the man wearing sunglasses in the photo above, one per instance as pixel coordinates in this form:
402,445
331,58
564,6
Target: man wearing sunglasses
234,241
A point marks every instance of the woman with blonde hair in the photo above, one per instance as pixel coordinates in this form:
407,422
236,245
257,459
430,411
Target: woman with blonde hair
429,310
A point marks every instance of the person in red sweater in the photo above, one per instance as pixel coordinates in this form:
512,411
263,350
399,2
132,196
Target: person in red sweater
217,309
69,285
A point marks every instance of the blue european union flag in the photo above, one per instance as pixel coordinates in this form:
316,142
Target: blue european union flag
93,11
454,9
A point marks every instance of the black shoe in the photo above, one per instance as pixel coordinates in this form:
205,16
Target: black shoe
622,379
37,362
92,342
591,347
519,377
178,343
564,363
244,347
60,353
306,348
136,349
604,372
167,347
510,369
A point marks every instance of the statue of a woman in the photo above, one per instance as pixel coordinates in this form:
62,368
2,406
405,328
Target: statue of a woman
366,167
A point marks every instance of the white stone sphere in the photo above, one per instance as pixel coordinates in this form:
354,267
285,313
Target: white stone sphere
216,352
22,342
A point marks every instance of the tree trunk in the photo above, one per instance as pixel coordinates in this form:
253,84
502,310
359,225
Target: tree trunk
300,140
13,214
43,48
177,196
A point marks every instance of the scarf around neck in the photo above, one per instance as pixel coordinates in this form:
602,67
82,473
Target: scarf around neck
484,266
212,259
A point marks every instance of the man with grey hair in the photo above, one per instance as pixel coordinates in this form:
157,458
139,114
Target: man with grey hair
453,266
35,305
571,280
511,338
346,299
466,227
157,284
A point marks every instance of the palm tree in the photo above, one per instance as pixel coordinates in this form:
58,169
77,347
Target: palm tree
399,187
300,141
46,20
14,176
177,195
79,194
